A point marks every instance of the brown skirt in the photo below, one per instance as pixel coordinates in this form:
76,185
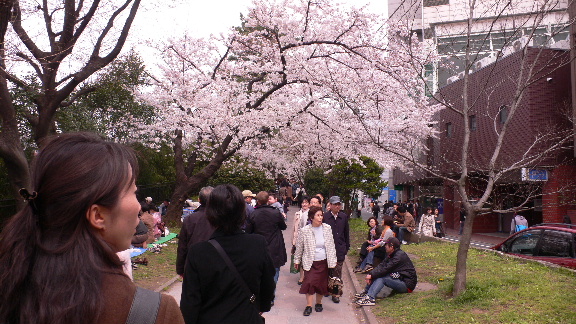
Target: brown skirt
316,280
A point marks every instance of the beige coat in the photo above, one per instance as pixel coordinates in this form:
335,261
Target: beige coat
306,244
297,222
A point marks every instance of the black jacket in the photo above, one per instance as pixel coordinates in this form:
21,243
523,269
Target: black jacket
341,232
268,222
212,294
195,228
399,262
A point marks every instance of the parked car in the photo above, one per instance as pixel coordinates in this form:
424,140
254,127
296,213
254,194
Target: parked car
554,243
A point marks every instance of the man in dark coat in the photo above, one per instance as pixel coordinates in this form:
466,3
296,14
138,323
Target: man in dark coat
396,272
195,228
338,220
268,222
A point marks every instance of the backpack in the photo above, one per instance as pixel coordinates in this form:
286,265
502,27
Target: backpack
521,227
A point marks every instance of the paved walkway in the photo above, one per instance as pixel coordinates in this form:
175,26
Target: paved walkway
289,304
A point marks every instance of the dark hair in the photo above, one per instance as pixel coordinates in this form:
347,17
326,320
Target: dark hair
388,221
401,209
50,250
226,208
312,211
305,198
319,199
204,194
144,207
374,218
273,194
428,208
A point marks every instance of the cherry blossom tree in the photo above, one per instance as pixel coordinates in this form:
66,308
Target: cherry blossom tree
293,80
480,35
48,49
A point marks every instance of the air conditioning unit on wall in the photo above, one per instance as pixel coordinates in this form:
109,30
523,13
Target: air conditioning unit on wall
452,79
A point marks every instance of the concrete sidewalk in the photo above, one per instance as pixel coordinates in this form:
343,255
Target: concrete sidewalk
289,304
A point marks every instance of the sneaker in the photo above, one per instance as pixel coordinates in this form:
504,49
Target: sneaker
357,269
404,242
366,301
360,295
368,268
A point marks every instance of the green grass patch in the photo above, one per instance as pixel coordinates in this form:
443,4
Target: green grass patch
161,266
499,289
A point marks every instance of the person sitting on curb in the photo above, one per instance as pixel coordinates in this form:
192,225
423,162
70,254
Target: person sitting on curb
396,272
408,224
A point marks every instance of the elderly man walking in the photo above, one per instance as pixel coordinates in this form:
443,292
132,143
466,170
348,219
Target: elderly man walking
338,220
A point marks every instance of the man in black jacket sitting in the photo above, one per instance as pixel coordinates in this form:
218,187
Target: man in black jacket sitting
396,272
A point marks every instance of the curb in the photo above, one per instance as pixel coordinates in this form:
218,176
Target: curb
167,284
369,317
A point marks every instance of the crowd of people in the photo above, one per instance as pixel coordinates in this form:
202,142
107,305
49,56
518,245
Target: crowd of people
229,253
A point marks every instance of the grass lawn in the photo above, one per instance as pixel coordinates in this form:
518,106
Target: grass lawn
161,266
499,289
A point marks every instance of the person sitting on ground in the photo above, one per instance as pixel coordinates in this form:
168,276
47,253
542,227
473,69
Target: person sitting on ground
378,250
141,236
316,254
396,272
157,222
149,221
374,233
407,225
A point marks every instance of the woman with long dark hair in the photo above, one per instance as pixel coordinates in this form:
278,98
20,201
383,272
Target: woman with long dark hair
213,291
58,260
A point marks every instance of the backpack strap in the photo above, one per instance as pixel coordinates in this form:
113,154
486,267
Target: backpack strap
145,305
230,265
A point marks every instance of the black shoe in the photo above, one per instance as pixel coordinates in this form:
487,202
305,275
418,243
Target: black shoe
299,283
335,299
307,311
318,308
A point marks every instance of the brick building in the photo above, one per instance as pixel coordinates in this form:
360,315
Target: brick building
540,119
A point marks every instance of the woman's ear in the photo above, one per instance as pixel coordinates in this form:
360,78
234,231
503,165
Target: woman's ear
95,216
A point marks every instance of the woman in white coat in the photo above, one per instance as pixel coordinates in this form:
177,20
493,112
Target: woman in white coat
427,226
316,253
300,220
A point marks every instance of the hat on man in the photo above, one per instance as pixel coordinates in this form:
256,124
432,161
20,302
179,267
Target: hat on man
248,193
148,199
335,200
394,242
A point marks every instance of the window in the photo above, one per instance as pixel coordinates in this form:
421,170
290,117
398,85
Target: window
449,130
472,122
503,114
525,243
556,244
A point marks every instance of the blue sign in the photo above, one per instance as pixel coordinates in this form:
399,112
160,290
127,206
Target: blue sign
534,174
440,206
392,195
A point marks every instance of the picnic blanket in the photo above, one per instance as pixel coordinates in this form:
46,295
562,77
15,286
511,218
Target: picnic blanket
137,251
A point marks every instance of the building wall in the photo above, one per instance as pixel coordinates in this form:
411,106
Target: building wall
559,194
493,88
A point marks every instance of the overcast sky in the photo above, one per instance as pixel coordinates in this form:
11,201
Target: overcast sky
202,18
